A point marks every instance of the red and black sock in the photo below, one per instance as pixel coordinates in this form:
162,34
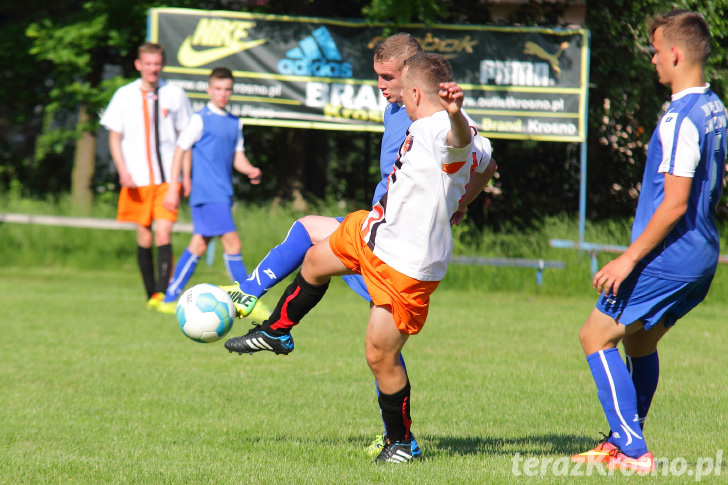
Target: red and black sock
298,299
145,260
396,414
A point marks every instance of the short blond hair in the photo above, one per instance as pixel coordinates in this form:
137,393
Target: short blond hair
398,47
150,48
427,70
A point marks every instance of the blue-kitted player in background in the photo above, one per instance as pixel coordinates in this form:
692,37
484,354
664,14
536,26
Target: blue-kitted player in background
669,265
215,137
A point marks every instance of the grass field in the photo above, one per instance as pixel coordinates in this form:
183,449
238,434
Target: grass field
95,388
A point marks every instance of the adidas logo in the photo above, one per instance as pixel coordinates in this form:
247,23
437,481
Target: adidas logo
401,456
263,341
316,55
258,344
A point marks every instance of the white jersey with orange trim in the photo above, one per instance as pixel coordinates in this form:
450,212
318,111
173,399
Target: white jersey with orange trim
409,228
130,113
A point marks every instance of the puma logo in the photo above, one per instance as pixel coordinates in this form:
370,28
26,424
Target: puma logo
553,59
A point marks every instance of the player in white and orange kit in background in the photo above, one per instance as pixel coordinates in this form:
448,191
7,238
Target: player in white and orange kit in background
144,119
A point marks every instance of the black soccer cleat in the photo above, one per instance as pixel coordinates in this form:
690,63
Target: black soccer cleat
399,452
256,340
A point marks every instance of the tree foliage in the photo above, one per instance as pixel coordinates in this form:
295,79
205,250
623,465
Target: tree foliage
66,58
626,98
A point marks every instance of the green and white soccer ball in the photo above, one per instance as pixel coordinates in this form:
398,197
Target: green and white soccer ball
205,313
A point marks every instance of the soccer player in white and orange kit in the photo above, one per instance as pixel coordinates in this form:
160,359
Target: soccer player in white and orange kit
401,247
144,119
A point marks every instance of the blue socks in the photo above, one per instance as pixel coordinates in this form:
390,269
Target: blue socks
645,372
235,267
618,397
186,266
280,262
183,271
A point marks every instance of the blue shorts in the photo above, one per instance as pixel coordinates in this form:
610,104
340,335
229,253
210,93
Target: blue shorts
649,299
214,219
356,281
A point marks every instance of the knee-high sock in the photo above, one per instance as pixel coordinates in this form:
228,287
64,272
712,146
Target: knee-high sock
376,385
281,261
396,413
183,271
298,299
235,267
145,260
645,372
619,401
165,264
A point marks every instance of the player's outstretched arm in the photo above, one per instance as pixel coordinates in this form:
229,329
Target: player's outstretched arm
451,99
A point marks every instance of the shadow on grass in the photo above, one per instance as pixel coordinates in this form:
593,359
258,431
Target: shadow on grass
550,444
433,445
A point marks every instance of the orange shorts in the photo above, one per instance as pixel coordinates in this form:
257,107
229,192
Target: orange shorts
142,205
408,298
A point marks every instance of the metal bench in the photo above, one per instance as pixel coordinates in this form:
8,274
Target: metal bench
539,264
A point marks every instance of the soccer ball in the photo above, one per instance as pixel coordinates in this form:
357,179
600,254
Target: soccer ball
205,313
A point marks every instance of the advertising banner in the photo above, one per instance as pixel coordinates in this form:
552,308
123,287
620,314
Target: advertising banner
302,72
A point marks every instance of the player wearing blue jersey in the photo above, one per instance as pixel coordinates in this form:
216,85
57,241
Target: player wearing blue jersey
669,265
215,137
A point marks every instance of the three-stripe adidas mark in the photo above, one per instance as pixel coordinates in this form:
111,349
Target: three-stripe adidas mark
258,344
316,55
257,340
400,456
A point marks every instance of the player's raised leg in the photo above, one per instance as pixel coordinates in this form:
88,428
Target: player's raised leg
298,299
280,261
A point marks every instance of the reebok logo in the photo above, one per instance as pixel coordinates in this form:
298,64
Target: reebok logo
316,55
215,39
